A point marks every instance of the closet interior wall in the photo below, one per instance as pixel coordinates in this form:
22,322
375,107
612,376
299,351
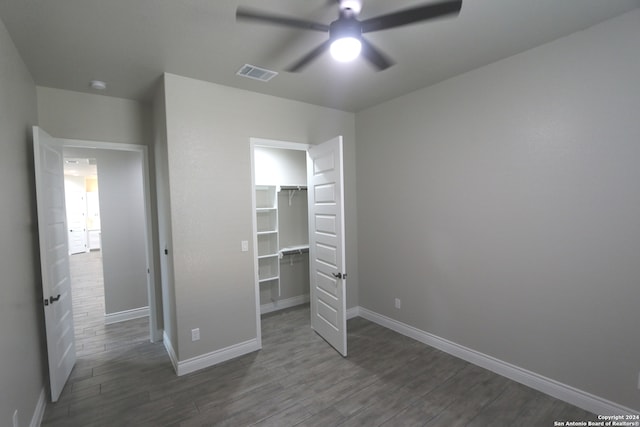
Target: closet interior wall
294,231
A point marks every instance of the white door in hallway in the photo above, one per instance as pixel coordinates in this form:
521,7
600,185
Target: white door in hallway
54,259
76,221
327,242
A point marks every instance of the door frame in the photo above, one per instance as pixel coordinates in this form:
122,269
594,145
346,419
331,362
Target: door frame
155,334
268,143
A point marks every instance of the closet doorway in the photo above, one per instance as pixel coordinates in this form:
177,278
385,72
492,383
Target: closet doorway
298,238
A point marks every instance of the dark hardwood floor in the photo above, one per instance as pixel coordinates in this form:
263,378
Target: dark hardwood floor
121,379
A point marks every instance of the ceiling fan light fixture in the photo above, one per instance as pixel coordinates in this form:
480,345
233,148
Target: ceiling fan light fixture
345,49
345,33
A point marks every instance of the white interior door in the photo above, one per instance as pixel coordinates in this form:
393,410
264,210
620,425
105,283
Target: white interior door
54,259
327,243
76,220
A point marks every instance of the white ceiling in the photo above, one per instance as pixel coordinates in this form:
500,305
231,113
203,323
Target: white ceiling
76,166
130,43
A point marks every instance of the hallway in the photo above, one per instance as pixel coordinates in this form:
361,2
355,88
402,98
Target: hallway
87,287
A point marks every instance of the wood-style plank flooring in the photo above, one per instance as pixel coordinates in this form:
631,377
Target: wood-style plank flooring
121,379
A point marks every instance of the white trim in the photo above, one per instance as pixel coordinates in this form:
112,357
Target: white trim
272,143
170,351
38,412
215,357
102,145
154,331
284,303
353,312
123,316
569,394
254,240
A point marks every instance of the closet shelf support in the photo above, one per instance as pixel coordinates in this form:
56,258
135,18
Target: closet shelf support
294,250
292,189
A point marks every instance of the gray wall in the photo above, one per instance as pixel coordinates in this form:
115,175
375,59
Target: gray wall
123,222
208,131
22,352
503,207
75,115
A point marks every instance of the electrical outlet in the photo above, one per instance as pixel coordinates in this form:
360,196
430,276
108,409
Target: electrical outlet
195,334
398,303
245,246
15,418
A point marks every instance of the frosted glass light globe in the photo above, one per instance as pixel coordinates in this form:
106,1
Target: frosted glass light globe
345,49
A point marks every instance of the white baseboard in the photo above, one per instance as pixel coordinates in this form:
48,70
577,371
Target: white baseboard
353,312
206,360
170,351
572,395
156,335
123,316
38,412
283,303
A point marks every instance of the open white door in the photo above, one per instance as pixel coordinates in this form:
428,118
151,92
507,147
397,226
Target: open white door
54,259
327,243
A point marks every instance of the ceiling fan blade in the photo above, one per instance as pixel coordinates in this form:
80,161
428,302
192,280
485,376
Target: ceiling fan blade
309,57
375,56
285,21
409,16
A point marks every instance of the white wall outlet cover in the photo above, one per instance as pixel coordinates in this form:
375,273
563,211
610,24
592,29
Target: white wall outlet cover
398,303
245,246
195,334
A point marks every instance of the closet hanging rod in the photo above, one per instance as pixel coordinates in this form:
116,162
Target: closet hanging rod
295,250
294,187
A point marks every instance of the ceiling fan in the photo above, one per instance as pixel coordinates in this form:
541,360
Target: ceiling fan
345,33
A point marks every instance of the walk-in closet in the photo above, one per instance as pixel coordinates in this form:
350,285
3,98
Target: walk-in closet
282,232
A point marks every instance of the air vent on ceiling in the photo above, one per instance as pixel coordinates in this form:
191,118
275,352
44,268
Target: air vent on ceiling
256,73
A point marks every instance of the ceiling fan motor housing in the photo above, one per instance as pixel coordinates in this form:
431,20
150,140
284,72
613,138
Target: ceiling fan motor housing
345,27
